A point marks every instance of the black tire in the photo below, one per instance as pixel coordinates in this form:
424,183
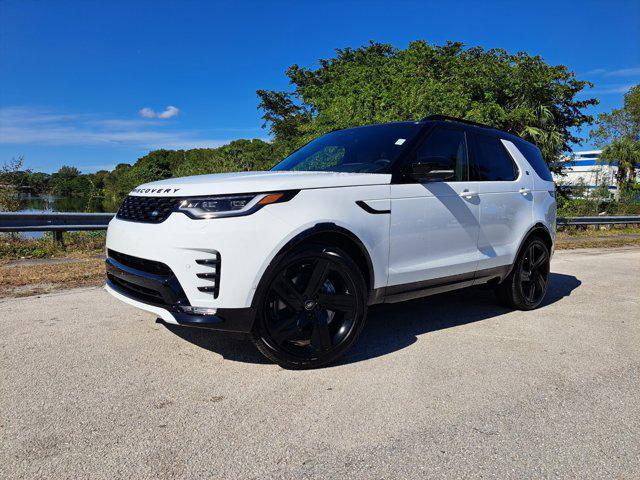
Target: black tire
526,285
295,326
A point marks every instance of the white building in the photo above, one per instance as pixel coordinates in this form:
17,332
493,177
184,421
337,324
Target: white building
585,170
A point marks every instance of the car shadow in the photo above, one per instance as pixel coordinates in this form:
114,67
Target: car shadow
392,327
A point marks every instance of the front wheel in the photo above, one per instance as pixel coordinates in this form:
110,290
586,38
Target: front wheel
311,309
526,285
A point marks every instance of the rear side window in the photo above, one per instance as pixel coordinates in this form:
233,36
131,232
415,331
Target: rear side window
493,161
534,157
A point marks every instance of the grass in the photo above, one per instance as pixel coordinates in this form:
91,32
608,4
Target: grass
23,278
31,266
597,238
37,266
15,246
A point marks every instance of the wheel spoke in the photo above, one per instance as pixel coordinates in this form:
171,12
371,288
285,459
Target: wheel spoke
285,329
320,336
541,260
532,292
540,282
532,256
336,303
317,278
287,292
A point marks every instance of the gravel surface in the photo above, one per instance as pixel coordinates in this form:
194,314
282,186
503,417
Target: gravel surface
446,387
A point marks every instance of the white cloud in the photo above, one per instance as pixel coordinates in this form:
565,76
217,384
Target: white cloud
147,112
610,89
624,72
27,125
596,71
169,112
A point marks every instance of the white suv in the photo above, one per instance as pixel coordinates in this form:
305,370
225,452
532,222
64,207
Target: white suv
382,213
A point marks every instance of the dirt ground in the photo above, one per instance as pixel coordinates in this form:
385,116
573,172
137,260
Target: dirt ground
25,277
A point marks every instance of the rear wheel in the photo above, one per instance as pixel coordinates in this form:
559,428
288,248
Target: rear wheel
311,308
526,285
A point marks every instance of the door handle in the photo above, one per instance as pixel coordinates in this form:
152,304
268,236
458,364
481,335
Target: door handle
525,191
468,194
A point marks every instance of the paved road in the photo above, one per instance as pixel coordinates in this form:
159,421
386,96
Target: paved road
447,387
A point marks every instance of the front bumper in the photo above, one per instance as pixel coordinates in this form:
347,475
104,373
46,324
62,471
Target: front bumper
162,295
243,247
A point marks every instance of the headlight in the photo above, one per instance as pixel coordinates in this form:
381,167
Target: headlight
230,205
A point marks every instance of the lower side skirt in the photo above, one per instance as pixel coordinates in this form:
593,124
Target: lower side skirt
425,288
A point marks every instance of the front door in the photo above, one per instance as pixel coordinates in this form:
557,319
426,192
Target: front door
434,225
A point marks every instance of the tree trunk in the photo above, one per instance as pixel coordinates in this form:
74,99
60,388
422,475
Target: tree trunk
621,182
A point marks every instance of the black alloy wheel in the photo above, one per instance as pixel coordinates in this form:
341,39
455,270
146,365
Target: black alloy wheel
534,273
312,309
526,285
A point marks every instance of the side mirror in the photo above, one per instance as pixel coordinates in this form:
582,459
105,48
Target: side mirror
432,169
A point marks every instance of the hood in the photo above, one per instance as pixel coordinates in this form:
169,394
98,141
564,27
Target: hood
248,182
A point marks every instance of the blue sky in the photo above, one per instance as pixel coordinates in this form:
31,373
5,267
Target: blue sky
76,76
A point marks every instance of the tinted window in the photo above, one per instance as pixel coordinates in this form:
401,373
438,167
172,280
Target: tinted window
534,157
493,161
369,149
446,145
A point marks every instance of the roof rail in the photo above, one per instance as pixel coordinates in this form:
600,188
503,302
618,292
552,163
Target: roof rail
454,119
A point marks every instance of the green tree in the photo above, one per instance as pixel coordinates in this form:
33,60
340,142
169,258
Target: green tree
378,82
239,155
39,183
626,152
618,133
116,184
10,174
62,181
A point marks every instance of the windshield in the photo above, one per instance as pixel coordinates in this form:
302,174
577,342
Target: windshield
370,149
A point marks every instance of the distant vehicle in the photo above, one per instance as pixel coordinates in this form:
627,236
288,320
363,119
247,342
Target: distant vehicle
294,256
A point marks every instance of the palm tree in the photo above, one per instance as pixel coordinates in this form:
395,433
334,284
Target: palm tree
545,135
626,152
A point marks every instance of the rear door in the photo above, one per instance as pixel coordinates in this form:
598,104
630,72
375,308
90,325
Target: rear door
434,225
506,201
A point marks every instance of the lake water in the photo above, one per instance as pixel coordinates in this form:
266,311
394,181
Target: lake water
50,203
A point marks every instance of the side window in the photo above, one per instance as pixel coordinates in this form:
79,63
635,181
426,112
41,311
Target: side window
493,161
446,145
534,157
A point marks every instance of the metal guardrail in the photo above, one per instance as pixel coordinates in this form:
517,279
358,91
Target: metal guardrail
53,221
59,222
598,220
56,222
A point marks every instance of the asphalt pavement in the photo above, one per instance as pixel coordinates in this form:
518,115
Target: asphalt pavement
452,386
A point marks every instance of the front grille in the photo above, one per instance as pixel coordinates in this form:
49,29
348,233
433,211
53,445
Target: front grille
146,209
148,266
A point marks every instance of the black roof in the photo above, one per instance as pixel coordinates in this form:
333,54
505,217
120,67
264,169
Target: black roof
443,119
475,126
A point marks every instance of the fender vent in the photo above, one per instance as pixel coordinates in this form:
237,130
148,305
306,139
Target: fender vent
211,277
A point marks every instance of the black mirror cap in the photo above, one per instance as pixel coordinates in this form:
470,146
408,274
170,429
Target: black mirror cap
432,170
440,175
